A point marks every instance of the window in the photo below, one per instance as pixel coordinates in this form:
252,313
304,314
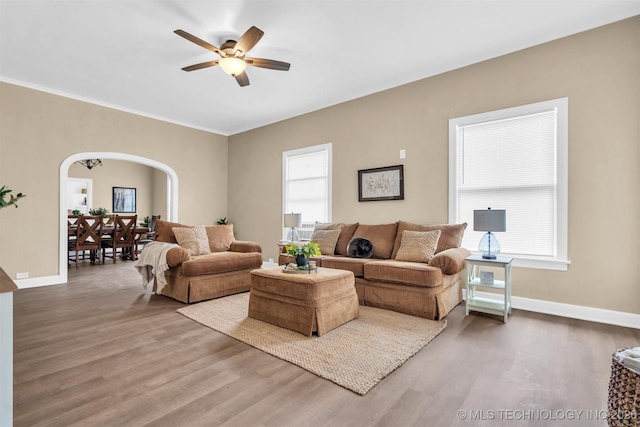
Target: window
514,159
306,177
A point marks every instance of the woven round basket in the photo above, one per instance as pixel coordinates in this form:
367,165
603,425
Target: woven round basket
624,395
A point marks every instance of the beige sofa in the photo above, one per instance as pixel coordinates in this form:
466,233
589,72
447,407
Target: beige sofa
221,267
386,280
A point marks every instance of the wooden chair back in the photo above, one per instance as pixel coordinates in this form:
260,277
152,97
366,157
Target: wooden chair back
148,236
89,232
87,237
124,231
72,220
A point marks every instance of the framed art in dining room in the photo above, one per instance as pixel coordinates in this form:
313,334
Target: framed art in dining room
385,183
124,200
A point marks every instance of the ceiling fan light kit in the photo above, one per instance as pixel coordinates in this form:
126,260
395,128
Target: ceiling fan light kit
232,53
232,66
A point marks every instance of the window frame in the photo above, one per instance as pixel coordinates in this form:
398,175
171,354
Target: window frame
328,147
561,105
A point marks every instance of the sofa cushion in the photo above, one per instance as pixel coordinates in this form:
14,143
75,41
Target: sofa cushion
245,246
326,240
450,234
405,273
193,239
417,246
381,236
220,237
355,265
164,231
346,234
221,262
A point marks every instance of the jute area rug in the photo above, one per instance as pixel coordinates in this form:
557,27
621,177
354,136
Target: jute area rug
356,355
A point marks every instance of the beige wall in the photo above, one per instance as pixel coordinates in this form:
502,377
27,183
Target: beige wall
597,70
38,131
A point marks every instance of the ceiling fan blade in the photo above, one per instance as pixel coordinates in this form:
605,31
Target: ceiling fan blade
268,63
248,40
200,66
242,79
198,41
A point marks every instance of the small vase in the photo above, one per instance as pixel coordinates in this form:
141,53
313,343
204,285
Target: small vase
301,261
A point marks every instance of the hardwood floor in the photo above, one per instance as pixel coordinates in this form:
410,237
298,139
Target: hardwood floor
102,351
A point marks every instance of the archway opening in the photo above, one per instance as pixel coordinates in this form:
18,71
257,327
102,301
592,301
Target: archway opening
172,193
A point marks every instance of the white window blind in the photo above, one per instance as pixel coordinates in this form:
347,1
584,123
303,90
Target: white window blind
307,185
513,159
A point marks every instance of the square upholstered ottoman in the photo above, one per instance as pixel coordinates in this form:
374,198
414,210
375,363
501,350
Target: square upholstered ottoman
305,303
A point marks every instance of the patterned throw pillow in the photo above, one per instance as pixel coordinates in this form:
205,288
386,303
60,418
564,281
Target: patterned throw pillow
193,239
418,246
326,239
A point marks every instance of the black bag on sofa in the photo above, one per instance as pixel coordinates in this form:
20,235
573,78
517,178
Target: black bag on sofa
360,248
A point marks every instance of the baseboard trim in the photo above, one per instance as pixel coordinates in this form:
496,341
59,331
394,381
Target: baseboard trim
591,314
39,281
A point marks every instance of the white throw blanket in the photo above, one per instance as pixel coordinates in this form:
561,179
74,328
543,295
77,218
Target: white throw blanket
630,358
152,262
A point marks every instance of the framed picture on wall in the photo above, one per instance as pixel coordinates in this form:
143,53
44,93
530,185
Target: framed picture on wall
381,184
124,200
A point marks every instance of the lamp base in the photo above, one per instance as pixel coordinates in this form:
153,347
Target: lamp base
293,236
489,246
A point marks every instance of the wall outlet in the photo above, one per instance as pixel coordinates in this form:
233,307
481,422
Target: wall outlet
403,154
271,260
22,275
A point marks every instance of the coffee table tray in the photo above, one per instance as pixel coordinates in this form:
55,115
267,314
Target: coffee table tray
300,271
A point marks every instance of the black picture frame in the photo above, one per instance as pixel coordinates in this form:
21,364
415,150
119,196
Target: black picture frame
377,184
124,200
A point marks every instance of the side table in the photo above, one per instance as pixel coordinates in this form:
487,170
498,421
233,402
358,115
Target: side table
476,278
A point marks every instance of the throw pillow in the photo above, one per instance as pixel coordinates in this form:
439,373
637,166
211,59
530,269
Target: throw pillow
450,234
193,239
326,239
164,231
220,237
346,234
418,246
360,248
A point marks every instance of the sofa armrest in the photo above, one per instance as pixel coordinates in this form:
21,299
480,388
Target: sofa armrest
450,261
245,246
177,255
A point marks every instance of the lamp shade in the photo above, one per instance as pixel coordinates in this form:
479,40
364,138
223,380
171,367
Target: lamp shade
490,220
232,66
293,220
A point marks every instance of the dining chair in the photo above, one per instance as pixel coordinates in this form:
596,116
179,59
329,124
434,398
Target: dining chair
87,237
149,236
122,237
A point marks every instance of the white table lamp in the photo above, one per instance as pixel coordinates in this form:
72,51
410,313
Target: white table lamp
489,220
293,220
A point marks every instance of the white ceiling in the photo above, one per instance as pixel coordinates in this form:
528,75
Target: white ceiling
124,54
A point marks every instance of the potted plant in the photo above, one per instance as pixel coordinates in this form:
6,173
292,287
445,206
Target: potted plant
100,211
302,253
4,191
146,222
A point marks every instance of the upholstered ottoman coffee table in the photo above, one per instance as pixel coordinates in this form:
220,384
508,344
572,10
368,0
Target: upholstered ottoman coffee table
305,303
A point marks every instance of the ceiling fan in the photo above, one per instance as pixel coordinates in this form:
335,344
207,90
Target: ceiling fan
232,53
